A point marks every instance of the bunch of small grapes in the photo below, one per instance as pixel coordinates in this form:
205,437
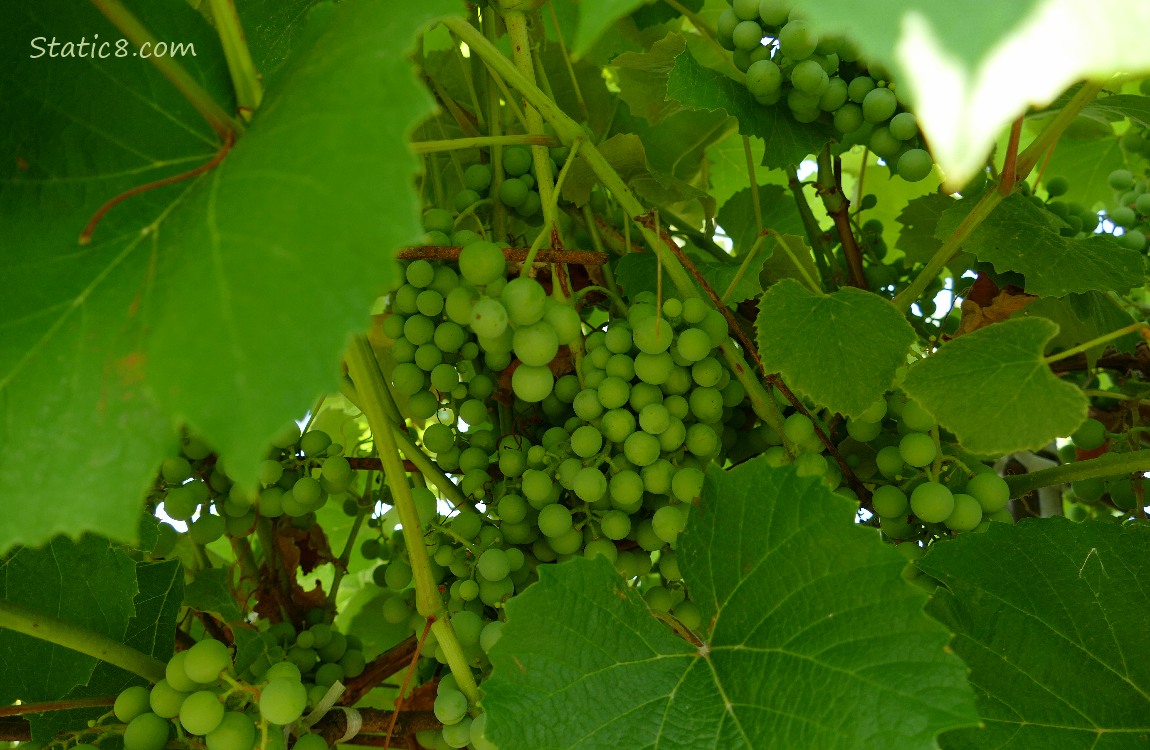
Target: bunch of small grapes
1101,496
200,696
820,77
1131,208
517,190
296,479
896,447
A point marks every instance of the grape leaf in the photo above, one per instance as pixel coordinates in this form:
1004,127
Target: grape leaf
787,141
643,78
152,630
967,87
727,162
100,598
1121,106
777,212
254,646
919,220
840,349
210,591
790,258
594,18
657,12
193,299
1019,236
993,390
805,612
639,272
1086,164
1080,678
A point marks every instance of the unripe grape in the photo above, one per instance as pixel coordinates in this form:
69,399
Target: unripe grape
206,659
932,502
967,514
450,707
889,501
747,35
1121,179
797,40
477,177
282,700
917,449
990,490
146,732
131,702
201,712
1090,436
879,105
482,262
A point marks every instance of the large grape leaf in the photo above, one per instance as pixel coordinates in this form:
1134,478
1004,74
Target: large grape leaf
1086,164
1085,317
788,142
966,87
993,390
88,583
193,300
152,630
919,219
805,614
840,349
593,17
1053,619
1019,236
642,78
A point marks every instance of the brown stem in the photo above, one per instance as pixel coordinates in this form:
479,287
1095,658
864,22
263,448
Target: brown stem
380,668
86,235
1010,162
830,191
65,705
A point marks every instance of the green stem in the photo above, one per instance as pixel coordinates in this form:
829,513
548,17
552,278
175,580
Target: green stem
755,204
345,556
245,78
522,53
744,266
79,638
483,141
1095,342
137,34
371,386
1106,465
811,225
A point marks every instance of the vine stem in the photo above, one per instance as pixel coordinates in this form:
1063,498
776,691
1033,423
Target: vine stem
245,79
482,141
1025,162
42,708
1140,326
1106,465
828,185
45,627
372,389
123,19
811,225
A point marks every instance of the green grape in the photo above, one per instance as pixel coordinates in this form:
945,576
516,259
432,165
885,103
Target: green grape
131,702
967,514
314,443
535,344
176,470
481,263
236,732
205,660
450,706
917,449
763,78
177,676
1121,179
1089,490
834,96
798,428
532,384
616,524
1090,436
1056,186
586,441
282,700
848,118
810,78
438,220
477,177
932,502
878,105
328,674
1133,239
864,432
797,40
626,487
747,35
883,144
916,418
397,576
488,318
589,485
990,490
641,448
668,522
309,741
525,300
889,501
617,424
145,732
654,418
687,483
516,160
201,712
494,565
903,126
914,165
513,192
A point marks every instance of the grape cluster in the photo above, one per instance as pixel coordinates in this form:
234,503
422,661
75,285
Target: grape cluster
1131,208
296,479
201,695
517,190
821,78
